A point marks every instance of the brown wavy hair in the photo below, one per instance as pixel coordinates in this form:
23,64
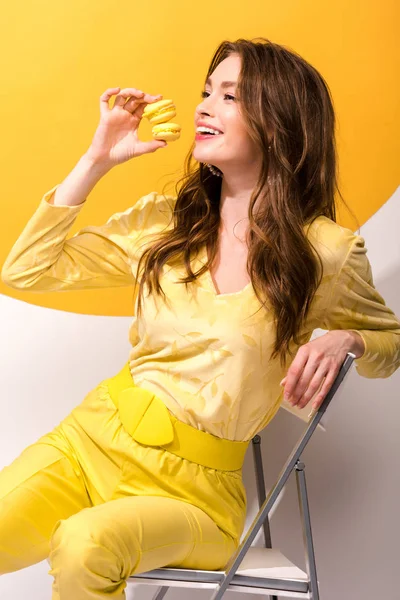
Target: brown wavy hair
285,102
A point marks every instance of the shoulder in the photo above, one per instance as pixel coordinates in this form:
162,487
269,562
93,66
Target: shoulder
153,202
333,243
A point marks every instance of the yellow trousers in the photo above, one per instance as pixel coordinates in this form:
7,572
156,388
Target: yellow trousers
102,506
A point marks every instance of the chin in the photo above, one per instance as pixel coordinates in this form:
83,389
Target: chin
199,155
202,157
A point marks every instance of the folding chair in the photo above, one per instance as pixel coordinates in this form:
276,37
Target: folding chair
255,570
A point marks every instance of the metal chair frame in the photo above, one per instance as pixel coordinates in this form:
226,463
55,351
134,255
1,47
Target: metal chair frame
221,581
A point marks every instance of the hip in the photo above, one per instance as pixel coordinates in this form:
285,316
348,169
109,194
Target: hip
115,464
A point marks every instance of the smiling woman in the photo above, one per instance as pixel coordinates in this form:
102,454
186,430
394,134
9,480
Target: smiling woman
267,175
232,275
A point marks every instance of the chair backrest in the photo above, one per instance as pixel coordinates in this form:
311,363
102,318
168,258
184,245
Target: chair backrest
305,436
270,499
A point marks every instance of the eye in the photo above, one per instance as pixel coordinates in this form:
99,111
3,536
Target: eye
228,96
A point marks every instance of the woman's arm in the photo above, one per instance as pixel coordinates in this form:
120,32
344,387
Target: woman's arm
357,306
79,182
43,259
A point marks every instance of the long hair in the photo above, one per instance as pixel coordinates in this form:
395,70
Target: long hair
284,102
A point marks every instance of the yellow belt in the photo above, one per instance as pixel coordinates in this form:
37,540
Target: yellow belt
149,422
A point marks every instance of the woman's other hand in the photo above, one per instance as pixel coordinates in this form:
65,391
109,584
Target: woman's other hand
316,365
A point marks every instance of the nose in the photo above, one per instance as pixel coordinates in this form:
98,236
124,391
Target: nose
205,107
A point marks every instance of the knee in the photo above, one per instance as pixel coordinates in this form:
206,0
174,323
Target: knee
75,546
80,546
70,542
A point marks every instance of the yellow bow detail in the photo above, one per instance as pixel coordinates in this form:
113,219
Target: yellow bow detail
145,417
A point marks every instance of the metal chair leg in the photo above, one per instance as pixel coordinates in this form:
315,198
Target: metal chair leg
307,533
260,484
161,593
261,493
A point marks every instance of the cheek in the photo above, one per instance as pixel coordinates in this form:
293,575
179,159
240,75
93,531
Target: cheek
241,140
238,134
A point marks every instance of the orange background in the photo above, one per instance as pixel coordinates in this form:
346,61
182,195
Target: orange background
59,58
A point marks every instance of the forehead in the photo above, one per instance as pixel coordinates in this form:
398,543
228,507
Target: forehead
227,71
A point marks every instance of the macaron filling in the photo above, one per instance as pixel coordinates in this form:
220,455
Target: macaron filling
165,127
164,110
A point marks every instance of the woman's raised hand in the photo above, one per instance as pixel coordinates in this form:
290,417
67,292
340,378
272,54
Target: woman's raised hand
116,138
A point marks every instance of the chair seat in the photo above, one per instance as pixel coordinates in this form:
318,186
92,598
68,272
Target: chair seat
269,563
262,568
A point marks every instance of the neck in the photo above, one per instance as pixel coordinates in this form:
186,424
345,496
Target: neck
236,190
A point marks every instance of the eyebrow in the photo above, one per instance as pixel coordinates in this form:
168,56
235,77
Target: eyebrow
224,84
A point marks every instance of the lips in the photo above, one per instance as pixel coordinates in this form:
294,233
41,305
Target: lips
206,136
204,124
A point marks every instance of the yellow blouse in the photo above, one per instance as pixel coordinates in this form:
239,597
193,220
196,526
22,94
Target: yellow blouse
207,356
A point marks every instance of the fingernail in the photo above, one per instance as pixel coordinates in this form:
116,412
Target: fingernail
287,396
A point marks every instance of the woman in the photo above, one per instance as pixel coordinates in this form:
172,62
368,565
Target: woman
233,276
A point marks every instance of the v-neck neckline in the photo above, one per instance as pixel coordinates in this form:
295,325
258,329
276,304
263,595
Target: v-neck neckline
211,286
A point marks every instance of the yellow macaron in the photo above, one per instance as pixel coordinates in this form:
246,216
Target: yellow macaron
160,112
168,132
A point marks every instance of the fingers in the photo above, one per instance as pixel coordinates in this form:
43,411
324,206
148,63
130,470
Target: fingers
294,373
313,387
105,97
127,98
152,146
310,373
141,101
126,93
131,98
326,386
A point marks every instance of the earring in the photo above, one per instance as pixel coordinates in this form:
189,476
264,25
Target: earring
269,148
214,170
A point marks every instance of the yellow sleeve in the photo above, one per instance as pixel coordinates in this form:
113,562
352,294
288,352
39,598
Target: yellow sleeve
43,259
356,305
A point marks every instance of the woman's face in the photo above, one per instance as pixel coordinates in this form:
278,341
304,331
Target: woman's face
220,109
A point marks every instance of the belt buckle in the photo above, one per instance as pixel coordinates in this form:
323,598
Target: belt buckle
145,417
